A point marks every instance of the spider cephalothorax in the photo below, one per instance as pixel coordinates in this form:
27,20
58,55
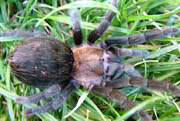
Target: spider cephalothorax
42,61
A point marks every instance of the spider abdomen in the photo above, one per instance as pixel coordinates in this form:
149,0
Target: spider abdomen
42,62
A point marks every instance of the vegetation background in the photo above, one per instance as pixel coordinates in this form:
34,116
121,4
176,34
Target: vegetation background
132,17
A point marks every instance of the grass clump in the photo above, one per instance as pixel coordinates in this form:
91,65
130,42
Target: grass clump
132,17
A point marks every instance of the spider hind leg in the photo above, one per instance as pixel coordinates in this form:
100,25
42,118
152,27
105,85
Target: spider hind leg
52,105
23,33
76,26
51,91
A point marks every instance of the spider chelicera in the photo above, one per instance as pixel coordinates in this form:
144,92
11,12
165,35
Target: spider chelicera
45,62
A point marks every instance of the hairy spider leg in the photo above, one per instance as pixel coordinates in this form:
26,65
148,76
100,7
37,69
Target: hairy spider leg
140,38
111,93
129,52
136,39
145,83
50,92
76,26
94,35
115,70
55,103
23,33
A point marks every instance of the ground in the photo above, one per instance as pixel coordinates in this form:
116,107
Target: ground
132,17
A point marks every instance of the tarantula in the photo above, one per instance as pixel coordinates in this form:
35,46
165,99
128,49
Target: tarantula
45,62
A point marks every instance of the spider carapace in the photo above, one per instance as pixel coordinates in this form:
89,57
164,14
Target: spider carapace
88,66
43,61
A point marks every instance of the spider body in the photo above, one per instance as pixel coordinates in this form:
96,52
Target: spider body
46,62
54,58
57,63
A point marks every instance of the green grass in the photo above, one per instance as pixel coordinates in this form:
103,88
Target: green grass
132,17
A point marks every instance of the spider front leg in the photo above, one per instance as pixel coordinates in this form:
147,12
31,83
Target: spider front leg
145,83
141,38
114,70
53,105
112,94
129,52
